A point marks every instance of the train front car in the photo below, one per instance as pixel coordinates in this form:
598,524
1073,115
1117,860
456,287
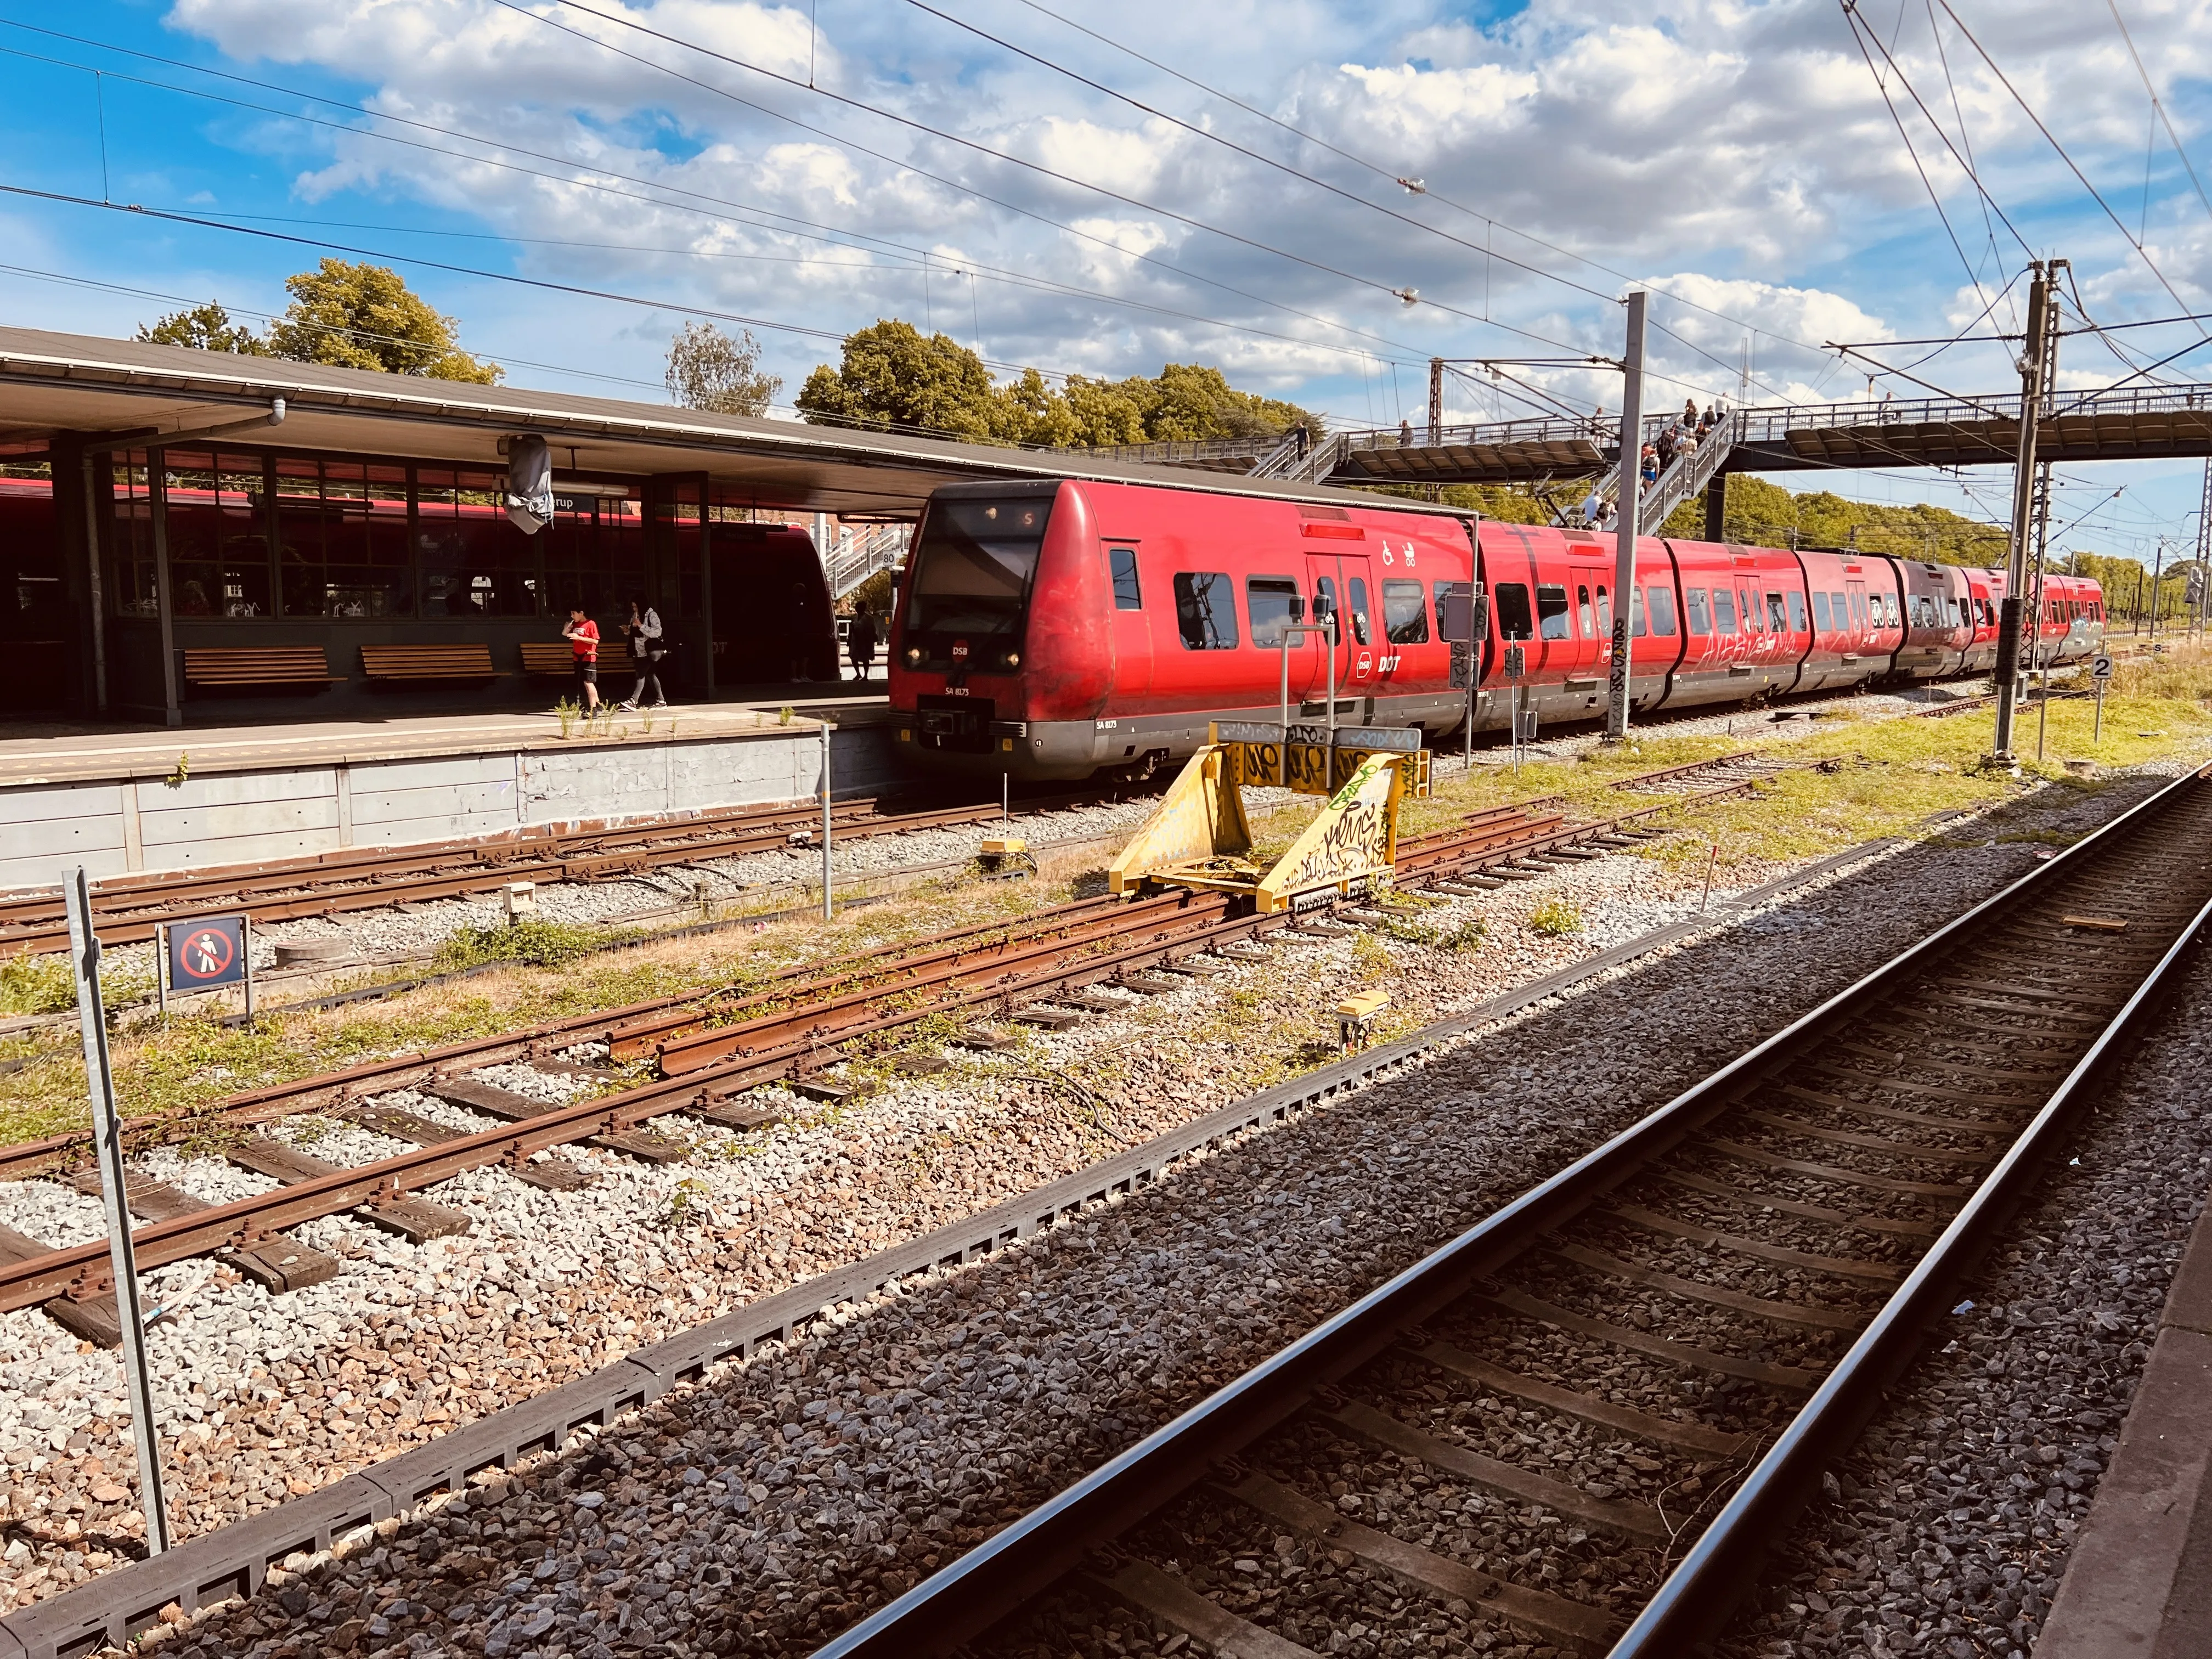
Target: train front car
1064,629
1001,655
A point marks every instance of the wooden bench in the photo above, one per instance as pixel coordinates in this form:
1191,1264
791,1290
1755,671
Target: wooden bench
258,665
554,657
427,662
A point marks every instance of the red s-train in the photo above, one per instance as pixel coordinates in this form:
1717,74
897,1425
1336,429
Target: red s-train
1061,629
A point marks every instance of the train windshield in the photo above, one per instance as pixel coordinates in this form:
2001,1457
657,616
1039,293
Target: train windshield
973,571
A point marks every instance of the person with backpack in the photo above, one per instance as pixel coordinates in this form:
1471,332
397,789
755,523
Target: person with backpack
646,648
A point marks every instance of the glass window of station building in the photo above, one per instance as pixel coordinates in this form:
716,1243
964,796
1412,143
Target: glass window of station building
273,547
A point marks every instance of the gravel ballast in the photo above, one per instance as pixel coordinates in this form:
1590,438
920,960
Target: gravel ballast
1951,1523
817,1480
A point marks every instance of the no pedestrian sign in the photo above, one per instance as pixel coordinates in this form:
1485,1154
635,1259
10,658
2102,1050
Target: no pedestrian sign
207,953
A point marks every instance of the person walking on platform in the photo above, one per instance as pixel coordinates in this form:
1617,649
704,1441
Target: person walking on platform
860,641
646,650
583,636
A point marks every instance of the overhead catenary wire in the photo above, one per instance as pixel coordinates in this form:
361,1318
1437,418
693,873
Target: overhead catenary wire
1375,284
2158,107
2028,109
232,309
1378,284
809,229
1424,190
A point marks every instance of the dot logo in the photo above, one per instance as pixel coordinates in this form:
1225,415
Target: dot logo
207,953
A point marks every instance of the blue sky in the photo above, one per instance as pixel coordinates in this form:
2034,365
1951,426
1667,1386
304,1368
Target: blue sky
1739,158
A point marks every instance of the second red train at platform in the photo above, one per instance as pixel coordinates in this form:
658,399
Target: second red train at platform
1063,629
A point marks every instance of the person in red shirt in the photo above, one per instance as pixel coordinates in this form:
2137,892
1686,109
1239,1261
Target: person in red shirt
583,636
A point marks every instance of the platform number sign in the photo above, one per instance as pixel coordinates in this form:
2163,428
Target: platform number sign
2100,667
207,953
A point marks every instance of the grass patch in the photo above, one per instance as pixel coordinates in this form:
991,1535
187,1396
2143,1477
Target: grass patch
36,985
533,943
1555,918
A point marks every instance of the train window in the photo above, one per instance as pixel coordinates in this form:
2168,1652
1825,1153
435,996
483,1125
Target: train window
1695,598
1663,612
1405,617
1583,609
973,569
1890,611
1324,605
1724,611
1847,610
1363,631
1748,598
1604,615
1778,617
1514,622
1951,610
1635,613
1206,609
1796,612
1127,595
1820,610
1551,611
1272,602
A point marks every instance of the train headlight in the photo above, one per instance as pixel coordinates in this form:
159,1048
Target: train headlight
913,656
1013,660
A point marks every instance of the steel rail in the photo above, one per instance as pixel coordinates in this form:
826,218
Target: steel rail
129,909
997,1577
76,1271
1700,1595
1489,836
399,1071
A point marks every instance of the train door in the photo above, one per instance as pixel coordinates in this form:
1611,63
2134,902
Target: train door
1133,642
1343,587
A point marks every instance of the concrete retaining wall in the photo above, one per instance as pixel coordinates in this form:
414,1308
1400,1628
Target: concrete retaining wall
244,816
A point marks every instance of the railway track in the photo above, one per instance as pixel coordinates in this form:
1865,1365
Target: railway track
706,1054
1580,1423
129,908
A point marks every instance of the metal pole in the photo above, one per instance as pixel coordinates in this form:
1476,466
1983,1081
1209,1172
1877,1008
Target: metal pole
2042,656
162,970
1632,489
828,904
1436,402
107,1135
1328,761
2023,496
246,955
1006,798
1283,748
2157,567
2097,736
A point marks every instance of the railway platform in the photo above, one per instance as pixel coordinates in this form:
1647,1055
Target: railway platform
121,800
2140,1583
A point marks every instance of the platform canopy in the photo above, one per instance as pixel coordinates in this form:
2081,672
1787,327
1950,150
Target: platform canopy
140,396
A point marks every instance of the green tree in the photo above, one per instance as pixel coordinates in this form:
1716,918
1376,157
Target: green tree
890,376
205,328
707,369
363,316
